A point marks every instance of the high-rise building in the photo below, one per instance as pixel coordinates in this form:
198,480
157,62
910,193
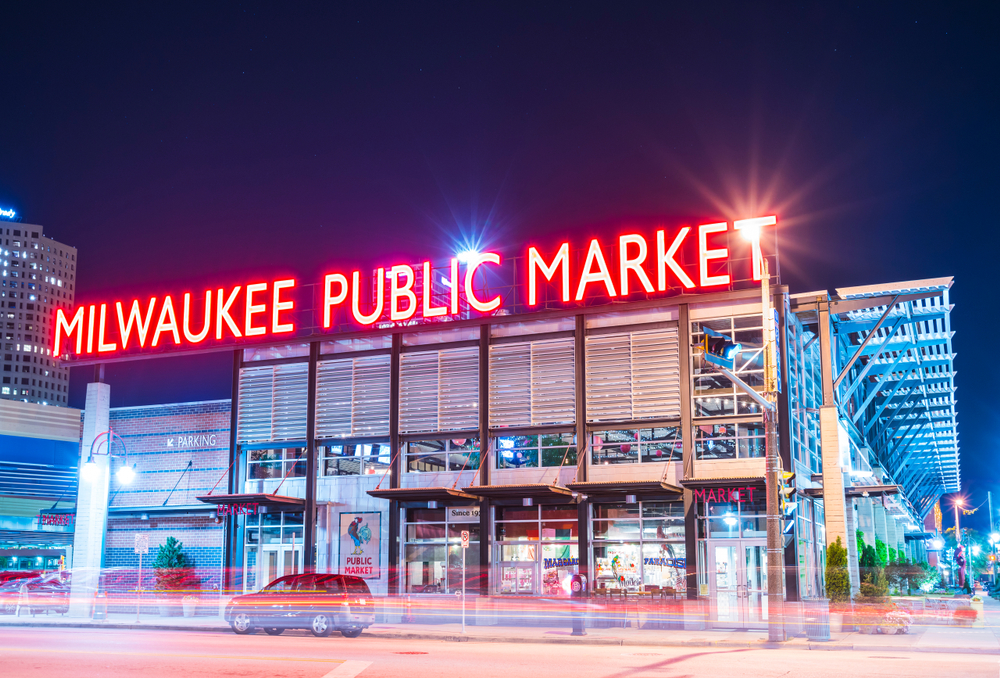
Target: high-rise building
37,276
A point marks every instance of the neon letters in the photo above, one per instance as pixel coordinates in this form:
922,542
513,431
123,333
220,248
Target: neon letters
684,258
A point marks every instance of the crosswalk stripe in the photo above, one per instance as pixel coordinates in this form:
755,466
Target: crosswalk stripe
348,669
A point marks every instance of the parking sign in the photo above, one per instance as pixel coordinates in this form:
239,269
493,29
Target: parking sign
465,539
141,543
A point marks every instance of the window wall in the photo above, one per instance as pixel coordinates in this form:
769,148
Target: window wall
438,456
639,545
288,462
353,459
729,441
534,451
632,446
542,537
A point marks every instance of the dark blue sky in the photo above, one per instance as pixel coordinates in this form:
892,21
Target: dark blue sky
173,143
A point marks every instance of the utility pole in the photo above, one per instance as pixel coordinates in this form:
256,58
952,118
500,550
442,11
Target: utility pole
775,542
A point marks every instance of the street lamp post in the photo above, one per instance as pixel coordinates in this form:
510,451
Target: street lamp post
751,229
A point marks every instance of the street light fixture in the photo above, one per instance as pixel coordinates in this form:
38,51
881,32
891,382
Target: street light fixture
90,471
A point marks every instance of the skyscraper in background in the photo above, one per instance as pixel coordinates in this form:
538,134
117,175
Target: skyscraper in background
37,276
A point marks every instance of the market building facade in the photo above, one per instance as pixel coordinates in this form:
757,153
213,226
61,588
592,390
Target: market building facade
585,436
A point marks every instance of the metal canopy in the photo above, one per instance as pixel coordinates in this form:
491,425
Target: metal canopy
626,487
270,500
897,383
540,491
441,494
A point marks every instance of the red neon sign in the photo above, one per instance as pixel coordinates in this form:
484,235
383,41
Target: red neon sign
689,258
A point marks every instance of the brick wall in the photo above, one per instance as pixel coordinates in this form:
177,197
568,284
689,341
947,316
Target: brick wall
180,451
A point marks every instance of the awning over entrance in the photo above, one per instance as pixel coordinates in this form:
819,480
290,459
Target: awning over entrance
541,492
277,501
621,488
871,490
441,494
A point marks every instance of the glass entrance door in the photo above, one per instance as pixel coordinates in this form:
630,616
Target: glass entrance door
738,582
517,569
277,561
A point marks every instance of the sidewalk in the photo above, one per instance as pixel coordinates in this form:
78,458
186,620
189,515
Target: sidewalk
920,639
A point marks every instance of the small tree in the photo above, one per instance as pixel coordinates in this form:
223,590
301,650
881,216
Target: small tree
838,579
173,570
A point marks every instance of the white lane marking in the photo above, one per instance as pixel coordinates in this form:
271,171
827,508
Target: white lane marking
348,669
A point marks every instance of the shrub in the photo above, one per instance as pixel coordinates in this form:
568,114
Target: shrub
881,552
838,579
173,569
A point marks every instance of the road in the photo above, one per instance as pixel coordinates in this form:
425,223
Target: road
106,653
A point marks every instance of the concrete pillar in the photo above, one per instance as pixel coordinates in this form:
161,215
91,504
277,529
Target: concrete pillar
91,505
880,524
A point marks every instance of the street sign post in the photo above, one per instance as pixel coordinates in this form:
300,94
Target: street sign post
465,545
141,548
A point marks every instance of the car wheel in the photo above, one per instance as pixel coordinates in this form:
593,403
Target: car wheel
274,631
320,626
242,624
351,633
9,608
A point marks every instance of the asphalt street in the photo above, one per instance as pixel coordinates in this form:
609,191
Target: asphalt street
106,653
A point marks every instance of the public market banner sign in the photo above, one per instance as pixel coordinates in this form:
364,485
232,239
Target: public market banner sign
361,544
656,263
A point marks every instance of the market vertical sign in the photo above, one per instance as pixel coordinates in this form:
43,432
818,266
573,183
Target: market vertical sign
361,544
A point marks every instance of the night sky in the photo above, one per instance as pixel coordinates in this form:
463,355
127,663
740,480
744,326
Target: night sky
177,145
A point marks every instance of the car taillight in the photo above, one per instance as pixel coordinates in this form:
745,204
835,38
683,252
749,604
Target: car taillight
362,601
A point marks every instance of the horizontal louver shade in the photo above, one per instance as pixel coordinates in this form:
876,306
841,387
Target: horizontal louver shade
255,397
633,375
439,390
291,402
273,403
532,383
458,389
352,397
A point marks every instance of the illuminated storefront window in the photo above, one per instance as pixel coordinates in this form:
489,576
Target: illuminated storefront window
537,549
432,553
639,545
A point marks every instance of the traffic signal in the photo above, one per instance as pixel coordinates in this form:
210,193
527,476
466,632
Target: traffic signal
719,349
786,490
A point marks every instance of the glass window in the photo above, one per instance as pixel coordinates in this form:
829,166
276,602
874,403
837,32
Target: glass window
644,545
714,395
438,456
729,441
629,446
551,449
354,459
433,552
276,463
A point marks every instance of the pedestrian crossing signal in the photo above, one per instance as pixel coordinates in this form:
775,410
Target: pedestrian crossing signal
718,349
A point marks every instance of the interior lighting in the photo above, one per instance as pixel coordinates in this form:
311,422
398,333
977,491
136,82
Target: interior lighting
862,474
89,470
995,537
126,474
730,519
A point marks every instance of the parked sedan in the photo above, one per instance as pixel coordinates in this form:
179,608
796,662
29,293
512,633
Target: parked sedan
319,602
47,593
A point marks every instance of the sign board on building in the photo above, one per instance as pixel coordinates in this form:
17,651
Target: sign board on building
725,495
361,544
141,543
193,440
644,263
59,519
243,509
463,514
